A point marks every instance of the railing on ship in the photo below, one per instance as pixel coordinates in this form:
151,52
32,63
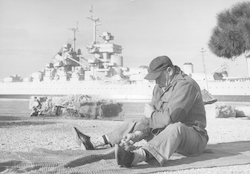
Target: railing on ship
245,79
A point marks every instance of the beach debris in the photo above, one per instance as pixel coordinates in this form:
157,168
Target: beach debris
35,106
224,111
207,97
75,106
242,111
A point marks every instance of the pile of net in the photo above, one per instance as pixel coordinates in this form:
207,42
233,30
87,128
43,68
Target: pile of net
74,106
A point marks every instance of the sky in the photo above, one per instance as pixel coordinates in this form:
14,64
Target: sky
33,31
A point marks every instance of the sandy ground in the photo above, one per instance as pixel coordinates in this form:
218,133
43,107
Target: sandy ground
24,134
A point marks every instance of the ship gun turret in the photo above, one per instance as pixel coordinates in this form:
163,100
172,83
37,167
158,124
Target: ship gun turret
106,61
65,65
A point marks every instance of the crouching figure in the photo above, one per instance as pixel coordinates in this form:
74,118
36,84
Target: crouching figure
174,121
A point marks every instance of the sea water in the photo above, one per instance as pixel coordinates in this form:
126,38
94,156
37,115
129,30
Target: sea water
14,107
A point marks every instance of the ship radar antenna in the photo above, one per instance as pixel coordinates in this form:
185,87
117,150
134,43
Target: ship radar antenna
96,22
74,31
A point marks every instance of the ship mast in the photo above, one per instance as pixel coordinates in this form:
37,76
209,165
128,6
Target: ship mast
95,23
74,39
204,66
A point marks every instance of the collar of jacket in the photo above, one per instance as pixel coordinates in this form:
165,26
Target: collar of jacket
179,75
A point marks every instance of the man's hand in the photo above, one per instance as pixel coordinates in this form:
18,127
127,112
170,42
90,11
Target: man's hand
148,110
132,138
128,138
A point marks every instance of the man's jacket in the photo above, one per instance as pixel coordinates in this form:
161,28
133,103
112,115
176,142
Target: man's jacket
181,101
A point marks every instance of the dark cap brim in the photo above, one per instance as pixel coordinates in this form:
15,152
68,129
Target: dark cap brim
153,75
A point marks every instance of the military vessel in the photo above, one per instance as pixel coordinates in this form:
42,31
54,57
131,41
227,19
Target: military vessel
104,75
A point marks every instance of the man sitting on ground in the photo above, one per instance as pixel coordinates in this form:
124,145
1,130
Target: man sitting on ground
174,121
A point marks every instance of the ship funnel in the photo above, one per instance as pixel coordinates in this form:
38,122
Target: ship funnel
188,68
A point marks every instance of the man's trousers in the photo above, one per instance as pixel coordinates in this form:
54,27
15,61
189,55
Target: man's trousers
176,137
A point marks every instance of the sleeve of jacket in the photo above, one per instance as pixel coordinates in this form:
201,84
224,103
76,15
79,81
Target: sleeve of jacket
143,126
175,109
157,92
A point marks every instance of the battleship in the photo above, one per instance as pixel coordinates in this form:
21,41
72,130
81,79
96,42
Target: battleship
105,76
102,75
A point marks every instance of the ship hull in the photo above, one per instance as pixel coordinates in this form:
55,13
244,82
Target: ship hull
106,90
229,91
238,91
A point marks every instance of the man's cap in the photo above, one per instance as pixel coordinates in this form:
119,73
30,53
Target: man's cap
158,65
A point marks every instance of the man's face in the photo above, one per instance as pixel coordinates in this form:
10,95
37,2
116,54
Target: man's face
163,80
